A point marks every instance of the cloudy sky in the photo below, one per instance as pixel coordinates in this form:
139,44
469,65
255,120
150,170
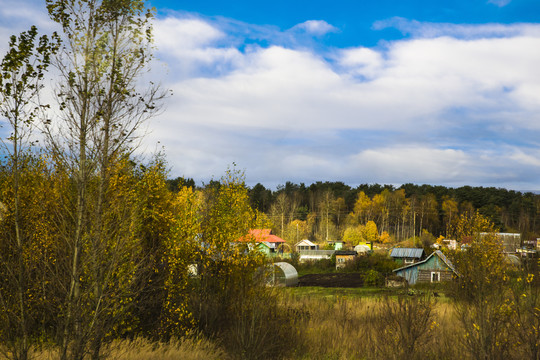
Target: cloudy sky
391,91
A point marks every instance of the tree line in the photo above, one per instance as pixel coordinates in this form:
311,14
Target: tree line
331,210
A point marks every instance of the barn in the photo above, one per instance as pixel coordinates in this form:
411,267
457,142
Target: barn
435,268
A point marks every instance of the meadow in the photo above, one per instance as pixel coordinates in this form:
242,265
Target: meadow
332,323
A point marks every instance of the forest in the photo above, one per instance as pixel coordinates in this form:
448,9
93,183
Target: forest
329,211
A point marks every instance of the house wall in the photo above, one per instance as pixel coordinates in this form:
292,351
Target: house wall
424,276
342,259
264,249
422,272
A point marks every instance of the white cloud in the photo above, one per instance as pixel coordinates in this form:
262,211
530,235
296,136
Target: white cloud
192,46
173,34
452,104
361,61
315,27
419,29
430,88
417,163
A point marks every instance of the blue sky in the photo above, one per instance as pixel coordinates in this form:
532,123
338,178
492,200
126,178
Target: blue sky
436,92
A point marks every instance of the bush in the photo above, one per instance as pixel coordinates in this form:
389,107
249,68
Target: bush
316,266
260,328
403,327
373,278
380,263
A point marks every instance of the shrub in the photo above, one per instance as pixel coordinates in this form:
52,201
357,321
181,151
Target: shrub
403,327
260,328
378,262
373,278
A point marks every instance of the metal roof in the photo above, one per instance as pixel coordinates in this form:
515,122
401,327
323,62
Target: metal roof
407,253
436,252
345,252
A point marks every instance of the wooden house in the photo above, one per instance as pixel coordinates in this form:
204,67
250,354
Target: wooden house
342,256
306,245
265,241
435,268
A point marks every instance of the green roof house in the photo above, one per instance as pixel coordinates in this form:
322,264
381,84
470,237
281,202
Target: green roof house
435,268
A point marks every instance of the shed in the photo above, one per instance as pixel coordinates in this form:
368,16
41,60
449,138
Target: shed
336,245
342,256
435,268
407,255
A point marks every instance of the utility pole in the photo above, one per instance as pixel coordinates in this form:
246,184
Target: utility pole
414,226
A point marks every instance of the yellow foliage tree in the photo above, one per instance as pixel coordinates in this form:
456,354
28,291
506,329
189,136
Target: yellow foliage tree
227,267
370,232
385,238
296,231
481,289
362,210
353,235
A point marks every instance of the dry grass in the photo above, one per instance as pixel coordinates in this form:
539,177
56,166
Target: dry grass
331,328
142,349
188,349
350,328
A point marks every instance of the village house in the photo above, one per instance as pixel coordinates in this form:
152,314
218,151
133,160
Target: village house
343,256
306,245
435,268
309,251
265,241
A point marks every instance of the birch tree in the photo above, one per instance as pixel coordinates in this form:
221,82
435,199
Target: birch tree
21,73
108,48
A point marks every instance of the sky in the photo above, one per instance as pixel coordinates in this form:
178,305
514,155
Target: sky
390,92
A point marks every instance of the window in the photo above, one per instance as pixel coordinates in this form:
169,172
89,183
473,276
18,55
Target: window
409,261
435,276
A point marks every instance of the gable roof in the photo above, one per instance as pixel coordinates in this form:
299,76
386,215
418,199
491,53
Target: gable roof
437,253
305,242
262,235
407,253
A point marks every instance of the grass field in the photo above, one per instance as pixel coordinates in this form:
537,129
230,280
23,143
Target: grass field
335,324
325,292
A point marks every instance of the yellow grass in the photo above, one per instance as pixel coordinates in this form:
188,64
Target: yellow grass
331,328
343,328
142,349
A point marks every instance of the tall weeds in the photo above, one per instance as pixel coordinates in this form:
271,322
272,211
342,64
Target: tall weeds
143,349
403,327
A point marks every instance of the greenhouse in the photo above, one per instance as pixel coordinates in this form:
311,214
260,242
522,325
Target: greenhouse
284,274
